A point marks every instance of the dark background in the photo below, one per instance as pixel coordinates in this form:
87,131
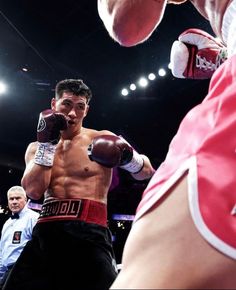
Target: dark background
56,40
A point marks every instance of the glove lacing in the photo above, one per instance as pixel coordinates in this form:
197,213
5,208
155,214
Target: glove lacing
202,63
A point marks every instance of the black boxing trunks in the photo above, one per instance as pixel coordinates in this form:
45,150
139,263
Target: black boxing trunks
71,248
90,211
205,147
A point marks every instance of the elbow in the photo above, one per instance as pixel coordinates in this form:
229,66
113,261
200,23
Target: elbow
145,174
131,22
31,190
33,195
127,41
126,32
128,35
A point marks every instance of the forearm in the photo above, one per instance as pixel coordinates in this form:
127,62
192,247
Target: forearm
130,22
36,180
147,170
40,155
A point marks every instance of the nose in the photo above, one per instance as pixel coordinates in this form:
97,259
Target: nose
72,113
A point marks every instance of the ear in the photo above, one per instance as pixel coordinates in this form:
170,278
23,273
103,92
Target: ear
86,112
53,104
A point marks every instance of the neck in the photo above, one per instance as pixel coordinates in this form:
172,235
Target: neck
70,134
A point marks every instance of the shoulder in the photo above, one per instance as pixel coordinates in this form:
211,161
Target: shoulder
30,211
31,215
105,132
6,223
95,133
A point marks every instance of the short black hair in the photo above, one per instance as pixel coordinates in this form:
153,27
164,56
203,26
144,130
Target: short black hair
75,86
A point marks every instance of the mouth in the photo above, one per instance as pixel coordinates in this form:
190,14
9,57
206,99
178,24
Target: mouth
15,209
70,122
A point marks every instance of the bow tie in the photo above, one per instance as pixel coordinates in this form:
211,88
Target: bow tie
15,216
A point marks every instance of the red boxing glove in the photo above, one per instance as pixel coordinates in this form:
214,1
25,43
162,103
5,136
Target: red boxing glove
48,132
196,55
111,151
49,126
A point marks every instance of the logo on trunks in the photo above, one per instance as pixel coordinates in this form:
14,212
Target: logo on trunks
61,208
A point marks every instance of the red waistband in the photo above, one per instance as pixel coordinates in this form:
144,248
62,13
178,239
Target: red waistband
86,210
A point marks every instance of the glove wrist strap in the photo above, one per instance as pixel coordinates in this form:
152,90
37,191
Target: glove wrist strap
135,165
44,154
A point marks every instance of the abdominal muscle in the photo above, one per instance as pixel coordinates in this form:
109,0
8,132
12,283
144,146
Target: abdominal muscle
84,188
75,176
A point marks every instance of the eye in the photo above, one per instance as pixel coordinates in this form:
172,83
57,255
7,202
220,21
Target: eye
80,106
67,104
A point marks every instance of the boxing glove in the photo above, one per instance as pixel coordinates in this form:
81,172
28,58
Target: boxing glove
49,126
196,55
111,151
48,132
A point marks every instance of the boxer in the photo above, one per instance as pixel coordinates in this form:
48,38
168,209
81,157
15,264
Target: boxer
71,166
184,233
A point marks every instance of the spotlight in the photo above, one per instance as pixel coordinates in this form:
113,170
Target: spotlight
143,82
132,87
151,76
162,72
124,92
3,88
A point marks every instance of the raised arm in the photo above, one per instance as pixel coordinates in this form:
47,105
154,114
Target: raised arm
36,178
111,151
40,155
130,22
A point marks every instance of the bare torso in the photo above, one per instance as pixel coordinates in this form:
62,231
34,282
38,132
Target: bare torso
73,175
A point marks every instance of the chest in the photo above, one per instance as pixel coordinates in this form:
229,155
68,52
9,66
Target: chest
72,158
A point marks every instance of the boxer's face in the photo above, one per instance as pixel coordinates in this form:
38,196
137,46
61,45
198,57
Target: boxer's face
75,108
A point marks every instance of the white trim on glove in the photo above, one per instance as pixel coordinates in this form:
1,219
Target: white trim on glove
179,59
